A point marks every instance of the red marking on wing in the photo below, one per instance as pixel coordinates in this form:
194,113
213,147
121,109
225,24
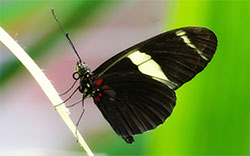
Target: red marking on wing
99,82
105,87
97,99
99,94
85,79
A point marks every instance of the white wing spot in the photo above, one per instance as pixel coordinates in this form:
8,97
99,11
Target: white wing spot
148,66
183,35
138,57
180,33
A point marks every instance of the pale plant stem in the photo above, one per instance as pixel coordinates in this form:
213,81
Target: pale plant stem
44,83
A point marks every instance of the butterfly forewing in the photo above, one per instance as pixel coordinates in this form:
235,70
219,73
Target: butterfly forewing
180,53
136,86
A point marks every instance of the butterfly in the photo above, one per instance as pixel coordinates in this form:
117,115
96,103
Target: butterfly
135,89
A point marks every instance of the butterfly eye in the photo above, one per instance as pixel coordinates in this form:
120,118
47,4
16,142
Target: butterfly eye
76,75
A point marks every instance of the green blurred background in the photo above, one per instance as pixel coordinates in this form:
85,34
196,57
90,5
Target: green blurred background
211,116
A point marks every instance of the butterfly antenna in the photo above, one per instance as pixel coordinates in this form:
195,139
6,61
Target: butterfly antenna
66,34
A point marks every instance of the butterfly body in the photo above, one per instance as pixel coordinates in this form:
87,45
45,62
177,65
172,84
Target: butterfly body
135,89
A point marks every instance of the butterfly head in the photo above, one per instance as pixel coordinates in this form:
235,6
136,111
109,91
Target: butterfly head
82,68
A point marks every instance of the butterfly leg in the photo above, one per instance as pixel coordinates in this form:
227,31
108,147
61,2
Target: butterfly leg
83,110
74,103
67,98
68,89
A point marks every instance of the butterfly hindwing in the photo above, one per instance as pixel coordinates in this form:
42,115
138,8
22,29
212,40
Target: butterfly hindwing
136,86
134,103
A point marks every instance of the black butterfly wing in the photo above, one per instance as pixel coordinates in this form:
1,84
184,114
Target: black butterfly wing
134,103
181,54
137,85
